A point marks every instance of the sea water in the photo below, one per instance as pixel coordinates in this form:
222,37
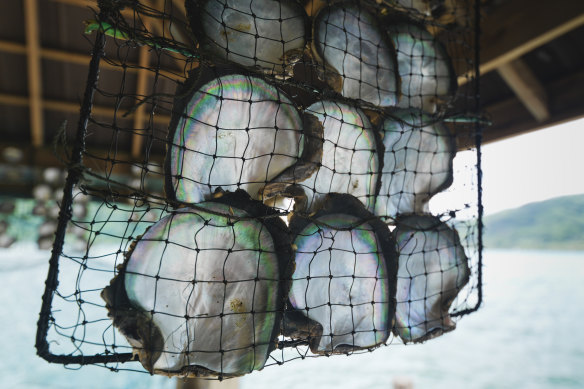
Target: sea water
527,335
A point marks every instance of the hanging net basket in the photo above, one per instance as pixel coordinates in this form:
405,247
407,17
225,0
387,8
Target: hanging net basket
256,185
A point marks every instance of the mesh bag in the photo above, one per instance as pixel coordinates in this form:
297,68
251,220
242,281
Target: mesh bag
258,188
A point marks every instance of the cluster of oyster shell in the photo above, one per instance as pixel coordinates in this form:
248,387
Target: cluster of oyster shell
219,283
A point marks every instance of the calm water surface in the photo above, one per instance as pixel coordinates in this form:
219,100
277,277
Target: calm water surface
527,335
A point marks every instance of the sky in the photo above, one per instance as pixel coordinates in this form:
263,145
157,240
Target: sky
524,169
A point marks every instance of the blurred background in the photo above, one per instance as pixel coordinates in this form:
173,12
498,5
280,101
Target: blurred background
531,87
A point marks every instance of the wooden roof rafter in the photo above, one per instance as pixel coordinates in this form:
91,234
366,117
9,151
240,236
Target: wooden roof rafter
33,59
520,26
510,31
69,107
517,28
141,86
161,28
520,90
83,59
527,88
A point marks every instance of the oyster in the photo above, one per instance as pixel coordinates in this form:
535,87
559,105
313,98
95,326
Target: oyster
424,66
349,157
234,132
348,39
417,163
343,285
433,268
202,291
250,32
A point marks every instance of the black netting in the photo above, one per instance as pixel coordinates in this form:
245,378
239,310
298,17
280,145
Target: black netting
256,179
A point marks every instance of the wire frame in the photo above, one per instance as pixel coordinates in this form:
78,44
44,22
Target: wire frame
258,192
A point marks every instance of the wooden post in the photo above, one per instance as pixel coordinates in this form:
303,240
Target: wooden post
141,84
199,383
33,49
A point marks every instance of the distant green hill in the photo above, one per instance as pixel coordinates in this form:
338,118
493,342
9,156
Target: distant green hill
556,224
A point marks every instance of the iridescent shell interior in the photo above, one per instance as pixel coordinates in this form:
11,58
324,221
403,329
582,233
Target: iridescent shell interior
236,132
424,67
209,285
341,282
349,158
433,268
253,32
348,39
417,163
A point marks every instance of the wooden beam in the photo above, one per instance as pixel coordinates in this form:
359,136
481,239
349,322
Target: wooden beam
202,383
141,83
156,23
128,11
180,31
511,118
139,114
527,87
83,59
71,107
519,26
77,3
513,29
19,101
88,4
149,22
180,6
12,47
313,6
34,73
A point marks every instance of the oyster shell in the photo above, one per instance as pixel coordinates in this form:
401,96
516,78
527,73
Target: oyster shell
344,281
234,132
348,39
250,32
349,163
424,66
433,268
202,291
417,163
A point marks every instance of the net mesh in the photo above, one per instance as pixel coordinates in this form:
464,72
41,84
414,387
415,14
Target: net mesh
255,179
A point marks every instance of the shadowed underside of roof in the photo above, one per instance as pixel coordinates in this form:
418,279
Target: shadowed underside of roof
532,73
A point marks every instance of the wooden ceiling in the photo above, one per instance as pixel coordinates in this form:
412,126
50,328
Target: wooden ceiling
531,65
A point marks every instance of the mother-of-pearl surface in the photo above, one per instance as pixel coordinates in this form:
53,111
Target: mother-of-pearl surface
236,132
348,39
341,282
253,32
417,163
424,67
349,159
433,268
211,283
